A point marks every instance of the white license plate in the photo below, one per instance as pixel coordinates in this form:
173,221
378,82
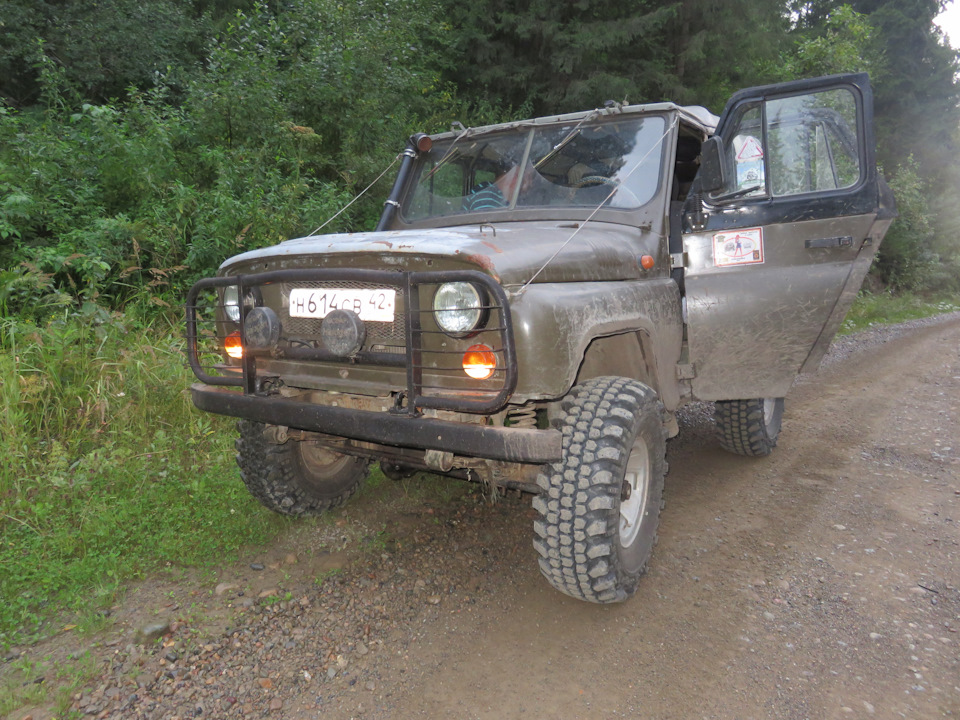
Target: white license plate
370,305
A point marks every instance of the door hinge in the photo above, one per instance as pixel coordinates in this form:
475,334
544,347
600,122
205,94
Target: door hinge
678,260
686,371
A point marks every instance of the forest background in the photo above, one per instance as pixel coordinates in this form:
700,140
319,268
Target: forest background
144,141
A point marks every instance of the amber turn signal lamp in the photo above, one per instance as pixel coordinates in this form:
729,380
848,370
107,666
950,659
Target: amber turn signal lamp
479,362
231,343
423,142
647,262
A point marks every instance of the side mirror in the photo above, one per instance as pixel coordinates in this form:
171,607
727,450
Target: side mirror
711,165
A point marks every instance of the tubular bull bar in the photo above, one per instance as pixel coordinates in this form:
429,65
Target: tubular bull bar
240,393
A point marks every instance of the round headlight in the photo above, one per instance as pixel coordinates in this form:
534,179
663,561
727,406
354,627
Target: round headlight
231,302
458,307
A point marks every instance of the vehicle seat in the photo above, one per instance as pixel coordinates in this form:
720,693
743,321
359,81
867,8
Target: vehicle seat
687,165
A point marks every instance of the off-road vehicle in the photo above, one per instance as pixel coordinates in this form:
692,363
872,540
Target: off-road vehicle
538,300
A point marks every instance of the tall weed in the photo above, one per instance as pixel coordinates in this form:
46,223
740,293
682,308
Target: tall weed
109,472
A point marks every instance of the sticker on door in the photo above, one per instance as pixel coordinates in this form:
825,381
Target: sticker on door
738,247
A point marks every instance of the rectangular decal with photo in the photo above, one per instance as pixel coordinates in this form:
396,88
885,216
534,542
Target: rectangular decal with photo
738,247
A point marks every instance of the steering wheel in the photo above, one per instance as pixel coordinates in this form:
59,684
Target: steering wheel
594,180
597,180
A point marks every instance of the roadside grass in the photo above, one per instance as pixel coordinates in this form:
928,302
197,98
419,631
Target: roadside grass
109,472
871,309
22,687
427,488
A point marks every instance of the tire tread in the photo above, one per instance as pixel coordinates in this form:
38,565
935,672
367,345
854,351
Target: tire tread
272,475
741,427
585,563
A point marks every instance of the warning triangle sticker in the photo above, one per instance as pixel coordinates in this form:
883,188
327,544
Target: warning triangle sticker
750,150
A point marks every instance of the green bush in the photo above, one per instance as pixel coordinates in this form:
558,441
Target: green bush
906,261
118,203
294,112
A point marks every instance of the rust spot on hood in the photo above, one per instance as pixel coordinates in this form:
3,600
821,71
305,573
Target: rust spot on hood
383,242
483,261
492,246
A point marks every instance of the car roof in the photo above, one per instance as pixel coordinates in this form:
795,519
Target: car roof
696,115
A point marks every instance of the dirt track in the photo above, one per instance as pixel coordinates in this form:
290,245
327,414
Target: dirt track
798,586
821,582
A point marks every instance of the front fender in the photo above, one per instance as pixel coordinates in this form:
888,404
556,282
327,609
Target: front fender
555,322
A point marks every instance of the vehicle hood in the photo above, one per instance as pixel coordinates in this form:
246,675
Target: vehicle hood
510,252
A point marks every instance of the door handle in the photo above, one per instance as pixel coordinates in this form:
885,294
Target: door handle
834,242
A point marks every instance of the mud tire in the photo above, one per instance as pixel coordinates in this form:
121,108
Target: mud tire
749,427
610,426
297,478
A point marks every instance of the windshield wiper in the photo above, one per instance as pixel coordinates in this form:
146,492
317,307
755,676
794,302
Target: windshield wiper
566,141
557,148
452,152
736,194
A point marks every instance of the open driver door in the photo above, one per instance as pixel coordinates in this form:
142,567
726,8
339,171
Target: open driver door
778,233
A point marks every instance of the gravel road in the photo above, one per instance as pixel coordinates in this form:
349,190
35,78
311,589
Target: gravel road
821,582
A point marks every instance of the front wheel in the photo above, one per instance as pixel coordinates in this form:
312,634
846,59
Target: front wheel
749,427
298,477
599,508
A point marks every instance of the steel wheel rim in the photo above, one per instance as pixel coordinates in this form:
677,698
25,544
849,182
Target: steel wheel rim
637,477
769,406
319,460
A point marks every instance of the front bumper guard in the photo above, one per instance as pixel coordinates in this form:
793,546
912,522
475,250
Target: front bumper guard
418,359
482,441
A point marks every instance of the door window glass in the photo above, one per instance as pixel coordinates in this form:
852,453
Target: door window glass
813,142
800,144
746,154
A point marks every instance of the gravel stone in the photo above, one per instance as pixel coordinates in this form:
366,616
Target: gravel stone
152,632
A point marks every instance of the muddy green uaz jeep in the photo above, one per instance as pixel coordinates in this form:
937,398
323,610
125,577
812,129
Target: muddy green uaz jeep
538,300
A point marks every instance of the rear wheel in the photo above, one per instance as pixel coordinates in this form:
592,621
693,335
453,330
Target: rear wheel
749,427
298,477
599,508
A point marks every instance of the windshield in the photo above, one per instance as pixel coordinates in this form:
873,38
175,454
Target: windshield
576,165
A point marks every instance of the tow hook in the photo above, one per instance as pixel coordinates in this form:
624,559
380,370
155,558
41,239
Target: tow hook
276,434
